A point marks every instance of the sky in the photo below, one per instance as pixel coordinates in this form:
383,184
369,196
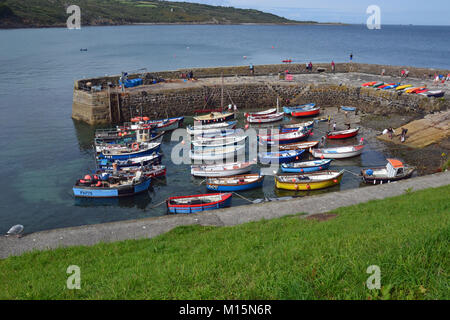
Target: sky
417,12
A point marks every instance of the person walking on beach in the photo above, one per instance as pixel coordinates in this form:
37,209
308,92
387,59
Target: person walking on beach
252,69
310,66
403,136
333,66
351,57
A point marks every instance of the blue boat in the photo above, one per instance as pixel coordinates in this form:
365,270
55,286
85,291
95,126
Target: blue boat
197,203
121,154
391,86
348,108
280,157
235,183
306,166
305,107
108,186
106,164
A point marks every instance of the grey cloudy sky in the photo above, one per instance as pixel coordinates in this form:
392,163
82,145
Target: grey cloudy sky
431,12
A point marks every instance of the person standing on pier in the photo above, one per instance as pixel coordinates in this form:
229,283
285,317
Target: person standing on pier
333,66
334,126
252,69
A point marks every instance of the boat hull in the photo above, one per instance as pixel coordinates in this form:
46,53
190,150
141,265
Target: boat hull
312,185
122,191
235,187
308,113
322,166
186,209
280,157
323,153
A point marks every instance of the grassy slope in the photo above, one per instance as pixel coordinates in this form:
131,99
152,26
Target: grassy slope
289,258
53,12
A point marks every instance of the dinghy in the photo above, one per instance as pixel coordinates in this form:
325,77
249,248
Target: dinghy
348,108
151,171
284,138
214,117
288,110
280,157
260,113
210,128
338,152
298,145
393,171
217,153
392,86
106,164
343,134
266,119
221,142
306,166
385,85
435,94
378,84
137,150
197,203
221,170
302,125
235,183
309,181
306,112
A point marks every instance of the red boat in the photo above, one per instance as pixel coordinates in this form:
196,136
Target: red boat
287,61
342,134
421,91
306,113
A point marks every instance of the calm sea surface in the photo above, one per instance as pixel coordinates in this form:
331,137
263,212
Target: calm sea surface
43,151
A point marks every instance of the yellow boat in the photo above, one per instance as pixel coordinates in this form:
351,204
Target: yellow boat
214,117
309,181
403,87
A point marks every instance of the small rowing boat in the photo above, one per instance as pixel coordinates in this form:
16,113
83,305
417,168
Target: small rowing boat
309,181
235,183
267,118
210,128
298,145
280,157
368,84
289,110
217,153
105,164
392,86
306,166
338,152
221,170
343,134
214,117
385,85
414,90
348,108
435,94
393,171
378,84
197,203
284,138
306,112
151,171
136,150
221,142
260,113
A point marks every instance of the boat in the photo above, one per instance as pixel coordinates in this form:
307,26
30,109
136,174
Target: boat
106,164
393,171
126,144
392,86
288,110
307,112
301,125
218,153
221,170
435,94
368,84
158,125
214,117
235,183
298,145
280,157
348,108
213,143
287,61
385,85
309,181
260,113
306,166
219,134
111,187
208,128
152,171
199,202
422,91
169,124
343,134
338,152
284,138
137,150
378,84
402,87
267,118
414,89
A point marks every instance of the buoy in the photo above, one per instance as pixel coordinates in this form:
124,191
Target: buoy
335,181
308,186
135,146
322,157
320,168
87,177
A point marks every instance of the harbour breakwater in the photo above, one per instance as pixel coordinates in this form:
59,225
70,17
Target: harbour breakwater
101,101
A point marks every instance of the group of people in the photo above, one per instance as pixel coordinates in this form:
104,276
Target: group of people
439,78
390,133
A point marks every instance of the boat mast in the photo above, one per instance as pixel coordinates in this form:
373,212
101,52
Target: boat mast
221,97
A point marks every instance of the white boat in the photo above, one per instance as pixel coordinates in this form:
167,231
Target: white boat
219,134
218,153
213,143
338,152
269,118
260,113
210,128
308,124
221,170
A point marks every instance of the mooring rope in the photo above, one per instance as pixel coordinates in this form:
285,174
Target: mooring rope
155,206
358,175
242,197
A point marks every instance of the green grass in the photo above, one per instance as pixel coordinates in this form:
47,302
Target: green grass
288,258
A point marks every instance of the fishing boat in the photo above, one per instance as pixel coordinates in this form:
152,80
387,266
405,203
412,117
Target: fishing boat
338,152
260,113
280,157
301,125
284,138
214,117
214,143
289,110
298,145
158,125
113,186
125,145
217,153
403,87
197,203
235,183
267,118
221,170
309,181
435,94
210,128
368,84
343,134
393,171
106,164
306,112
151,171
348,108
137,150
306,166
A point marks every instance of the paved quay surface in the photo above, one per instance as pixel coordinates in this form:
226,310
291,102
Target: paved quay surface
152,227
